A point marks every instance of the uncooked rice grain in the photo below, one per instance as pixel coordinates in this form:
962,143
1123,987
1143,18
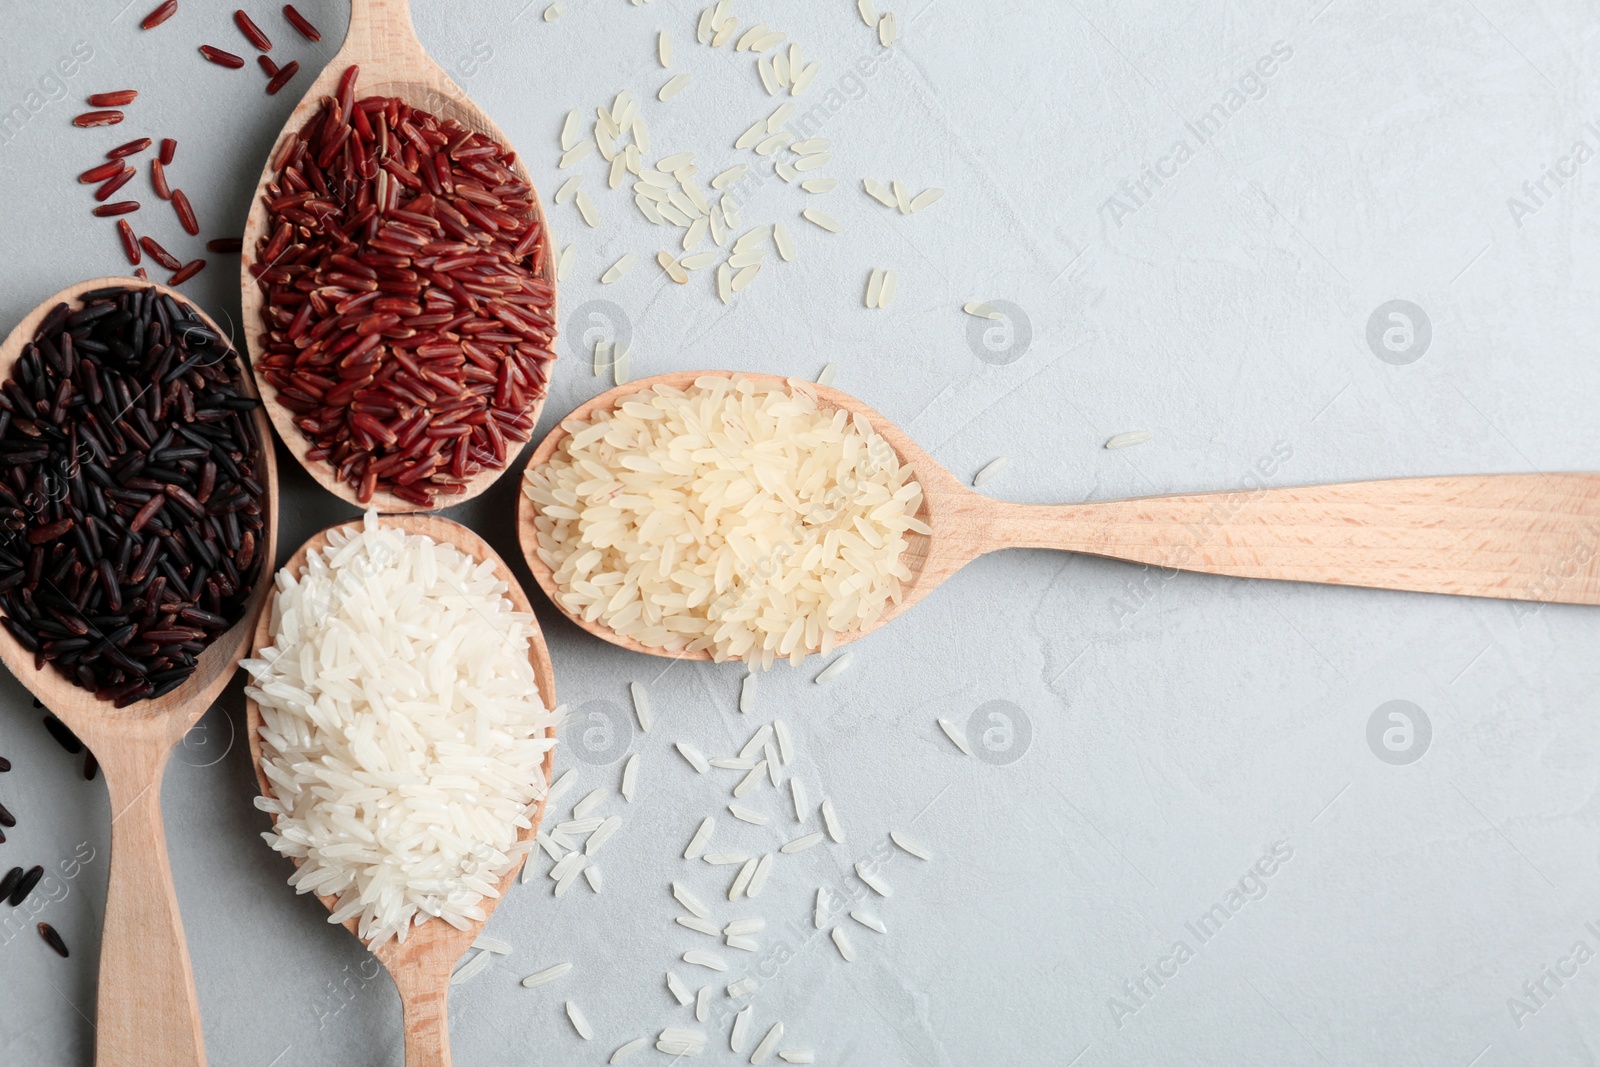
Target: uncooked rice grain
743,944
871,922
954,733
396,659
747,694
689,900
743,814
768,1044
909,845
834,669
704,959
595,798
758,878
725,859
842,942
579,1022
630,777
602,835
874,882
797,1055
990,469
549,974
798,792
819,911
741,1027
830,820
469,969
758,739
591,874
641,706
742,880
750,780
800,844
678,989
697,843
693,755
780,732
698,925
625,1051
743,987
1132,437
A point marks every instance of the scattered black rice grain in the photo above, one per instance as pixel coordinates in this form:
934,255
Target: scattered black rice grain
91,766
63,735
6,818
131,508
5,765
9,882
24,886
53,939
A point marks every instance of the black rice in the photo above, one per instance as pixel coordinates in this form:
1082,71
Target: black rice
6,818
53,939
9,882
113,419
24,886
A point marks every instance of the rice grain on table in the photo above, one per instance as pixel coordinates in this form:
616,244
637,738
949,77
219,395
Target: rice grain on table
725,859
641,706
800,844
704,959
741,881
591,874
741,1027
698,925
492,944
731,763
910,846
768,1044
871,922
595,798
747,694
468,970
625,1051
679,991
750,780
757,740
602,835
780,732
702,1004
991,469
798,792
925,199
693,756
743,814
873,880
956,736
743,944
697,843
819,911
690,901
841,941
743,987
758,877
743,927
680,1041
579,1022
549,974
630,777
386,648
1127,440
834,669
797,1055
830,821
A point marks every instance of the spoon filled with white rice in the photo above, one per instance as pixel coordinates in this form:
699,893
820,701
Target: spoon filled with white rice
399,725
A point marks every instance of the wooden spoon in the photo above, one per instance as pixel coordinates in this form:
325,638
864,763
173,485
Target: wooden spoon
382,42
421,966
147,1013
1511,536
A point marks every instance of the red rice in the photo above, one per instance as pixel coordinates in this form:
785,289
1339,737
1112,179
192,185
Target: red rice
187,271
220,57
301,23
130,243
102,172
132,148
169,148
121,207
159,254
116,99
158,178
252,31
97,118
283,77
105,191
162,13
180,204
405,324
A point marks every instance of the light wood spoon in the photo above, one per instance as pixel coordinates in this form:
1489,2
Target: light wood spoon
382,42
147,1013
1510,536
421,966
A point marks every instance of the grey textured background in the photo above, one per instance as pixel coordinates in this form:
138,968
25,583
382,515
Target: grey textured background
1165,729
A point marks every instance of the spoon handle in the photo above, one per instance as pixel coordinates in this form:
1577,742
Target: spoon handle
1510,536
380,27
147,1010
424,997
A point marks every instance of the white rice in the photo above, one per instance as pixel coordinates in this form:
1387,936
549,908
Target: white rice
743,944
724,859
742,927
579,827
902,202
630,777
690,901
586,208
675,1041
591,874
549,974
568,188
569,130
624,1051
741,881
467,970
595,798
769,79
841,941
698,925
871,922
554,11
741,280
602,358
800,844
602,835
925,199
797,1055
820,185
891,285
803,80
741,1027
874,881
570,876
579,1022
678,989
693,755
698,261
641,706
990,469
743,987
830,821
758,878
829,371
798,792
743,814
731,763
768,1044
982,310
402,729
909,845
780,733
753,746
869,14
576,154
820,219
619,270
874,288
704,959
1127,440
729,176
747,694
772,763
702,1004
878,191
819,912
672,267
834,669
569,255
888,29
664,48
750,780
697,843
492,944
783,242
956,736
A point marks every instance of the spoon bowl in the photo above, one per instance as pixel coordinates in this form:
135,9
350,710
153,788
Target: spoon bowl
147,1012
1532,537
421,965
382,42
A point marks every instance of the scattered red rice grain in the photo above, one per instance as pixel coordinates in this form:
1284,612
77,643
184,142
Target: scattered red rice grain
221,58
187,271
121,207
104,192
169,148
405,324
225,244
102,172
301,23
252,31
132,148
142,274
97,118
53,939
283,77
180,204
158,178
159,254
130,243
162,13
116,99
268,65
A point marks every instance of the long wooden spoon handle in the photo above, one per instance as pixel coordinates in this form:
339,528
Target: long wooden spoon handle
1511,536
423,996
378,25
147,1014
